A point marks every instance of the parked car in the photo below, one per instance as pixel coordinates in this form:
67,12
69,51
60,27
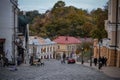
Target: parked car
71,60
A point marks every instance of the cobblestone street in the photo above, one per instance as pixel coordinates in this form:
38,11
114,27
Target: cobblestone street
53,70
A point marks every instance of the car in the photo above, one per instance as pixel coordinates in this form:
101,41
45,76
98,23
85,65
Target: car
71,60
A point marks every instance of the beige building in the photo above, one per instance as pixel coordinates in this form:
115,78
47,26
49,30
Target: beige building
67,45
112,26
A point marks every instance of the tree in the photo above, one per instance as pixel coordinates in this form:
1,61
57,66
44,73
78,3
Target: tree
99,16
59,4
68,20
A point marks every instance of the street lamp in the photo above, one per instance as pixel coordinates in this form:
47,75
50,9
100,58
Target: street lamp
100,43
82,57
33,51
91,55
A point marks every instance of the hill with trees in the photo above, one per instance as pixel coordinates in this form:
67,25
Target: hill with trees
68,20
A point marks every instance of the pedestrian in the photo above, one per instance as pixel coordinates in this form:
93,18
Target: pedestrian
1,60
5,61
105,61
19,60
95,61
64,57
31,60
100,63
39,60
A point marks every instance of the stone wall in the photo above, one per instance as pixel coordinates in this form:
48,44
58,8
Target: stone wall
112,58
118,59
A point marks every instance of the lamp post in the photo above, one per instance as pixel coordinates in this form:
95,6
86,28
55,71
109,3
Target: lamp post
82,57
33,51
99,65
91,55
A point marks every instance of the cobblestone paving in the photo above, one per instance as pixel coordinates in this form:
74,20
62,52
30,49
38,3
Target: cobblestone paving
53,70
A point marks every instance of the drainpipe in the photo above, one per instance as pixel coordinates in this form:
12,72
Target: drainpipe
14,39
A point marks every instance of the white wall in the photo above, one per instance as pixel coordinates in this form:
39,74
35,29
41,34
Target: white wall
7,25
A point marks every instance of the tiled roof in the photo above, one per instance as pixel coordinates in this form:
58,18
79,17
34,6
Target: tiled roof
66,40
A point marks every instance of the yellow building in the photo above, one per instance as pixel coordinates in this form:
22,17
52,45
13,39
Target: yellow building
67,45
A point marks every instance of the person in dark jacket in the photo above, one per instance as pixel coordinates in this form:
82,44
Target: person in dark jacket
100,63
5,60
31,60
95,61
64,57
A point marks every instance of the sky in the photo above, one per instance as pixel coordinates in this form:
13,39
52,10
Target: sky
43,5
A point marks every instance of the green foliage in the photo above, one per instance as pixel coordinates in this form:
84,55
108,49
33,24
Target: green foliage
59,4
31,15
99,16
68,20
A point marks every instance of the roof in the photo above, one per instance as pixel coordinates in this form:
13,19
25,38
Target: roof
67,40
48,41
39,41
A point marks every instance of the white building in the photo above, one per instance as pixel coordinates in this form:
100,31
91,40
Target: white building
8,28
41,48
13,31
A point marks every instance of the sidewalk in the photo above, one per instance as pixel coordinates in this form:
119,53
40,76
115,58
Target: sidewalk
110,71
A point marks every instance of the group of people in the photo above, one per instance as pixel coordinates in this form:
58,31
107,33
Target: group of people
101,61
39,61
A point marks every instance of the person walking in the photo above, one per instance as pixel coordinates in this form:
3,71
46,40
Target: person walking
100,63
64,57
105,62
95,61
31,60
5,61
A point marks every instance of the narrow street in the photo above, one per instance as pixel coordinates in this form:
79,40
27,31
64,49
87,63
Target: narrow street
53,70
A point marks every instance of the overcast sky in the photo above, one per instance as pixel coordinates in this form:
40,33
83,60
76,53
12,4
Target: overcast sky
43,5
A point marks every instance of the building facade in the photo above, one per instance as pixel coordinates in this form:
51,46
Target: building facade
41,48
110,46
8,28
67,45
13,31
112,26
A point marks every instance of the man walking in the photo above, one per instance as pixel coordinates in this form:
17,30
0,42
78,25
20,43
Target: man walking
64,57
